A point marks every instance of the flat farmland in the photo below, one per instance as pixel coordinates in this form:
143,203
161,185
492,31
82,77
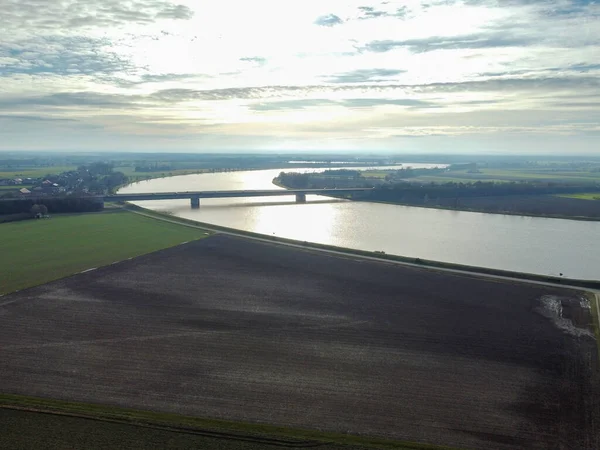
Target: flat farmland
235,329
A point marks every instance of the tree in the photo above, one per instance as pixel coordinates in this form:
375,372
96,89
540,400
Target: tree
36,211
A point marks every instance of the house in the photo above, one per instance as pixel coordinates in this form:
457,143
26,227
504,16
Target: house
24,191
18,181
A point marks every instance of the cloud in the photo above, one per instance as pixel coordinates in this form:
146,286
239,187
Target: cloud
177,66
73,99
259,60
546,84
64,55
371,102
69,14
329,20
369,12
348,103
364,76
243,93
501,86
473,41
559,92
290,105
32,118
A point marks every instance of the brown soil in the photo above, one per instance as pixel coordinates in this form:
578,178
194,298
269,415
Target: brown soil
231,328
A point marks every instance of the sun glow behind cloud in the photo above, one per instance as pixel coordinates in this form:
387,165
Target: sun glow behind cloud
189,75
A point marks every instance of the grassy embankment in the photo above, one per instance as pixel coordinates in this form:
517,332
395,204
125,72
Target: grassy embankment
593,284
38,251
61,424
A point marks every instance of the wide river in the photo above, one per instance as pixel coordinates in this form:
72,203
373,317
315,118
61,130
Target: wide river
519,243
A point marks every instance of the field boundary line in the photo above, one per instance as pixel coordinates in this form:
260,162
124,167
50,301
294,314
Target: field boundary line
271,435
175,429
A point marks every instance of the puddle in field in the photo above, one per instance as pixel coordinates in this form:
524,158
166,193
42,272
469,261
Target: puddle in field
570,314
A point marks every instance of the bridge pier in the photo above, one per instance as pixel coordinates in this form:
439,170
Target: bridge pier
300,198
195,202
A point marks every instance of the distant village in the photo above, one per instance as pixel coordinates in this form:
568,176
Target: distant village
36,186
96,178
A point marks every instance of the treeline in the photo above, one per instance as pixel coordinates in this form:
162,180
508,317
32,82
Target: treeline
396,191
97,177
293,180
153,168
329,179
54,205
399,191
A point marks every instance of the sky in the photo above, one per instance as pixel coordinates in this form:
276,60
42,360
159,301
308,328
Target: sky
432,76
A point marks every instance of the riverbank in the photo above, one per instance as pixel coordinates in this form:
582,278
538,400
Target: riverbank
492,208
483,211
468,238
425,263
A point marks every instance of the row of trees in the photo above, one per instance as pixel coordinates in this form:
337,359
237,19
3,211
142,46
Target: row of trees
52,204
400,191
476,189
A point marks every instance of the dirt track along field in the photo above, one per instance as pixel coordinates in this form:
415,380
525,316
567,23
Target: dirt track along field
230,328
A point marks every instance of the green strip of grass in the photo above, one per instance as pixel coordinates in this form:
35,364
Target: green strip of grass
583,196
593,284
38,251
15,187
147,418
35,172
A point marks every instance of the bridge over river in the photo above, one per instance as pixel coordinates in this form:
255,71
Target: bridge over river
196,196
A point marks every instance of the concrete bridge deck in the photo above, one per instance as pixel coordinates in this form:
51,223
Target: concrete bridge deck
195,196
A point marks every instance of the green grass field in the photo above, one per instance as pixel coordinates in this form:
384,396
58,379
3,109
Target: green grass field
34,172
500,175
15,187
137,176
37,251
381,174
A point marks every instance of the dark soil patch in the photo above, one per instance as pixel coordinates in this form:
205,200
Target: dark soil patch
231,328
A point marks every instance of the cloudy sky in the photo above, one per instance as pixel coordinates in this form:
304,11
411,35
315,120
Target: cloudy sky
221,75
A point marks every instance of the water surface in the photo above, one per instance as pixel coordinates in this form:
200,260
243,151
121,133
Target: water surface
519,243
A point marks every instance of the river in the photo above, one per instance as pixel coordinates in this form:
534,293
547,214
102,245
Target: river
518,243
